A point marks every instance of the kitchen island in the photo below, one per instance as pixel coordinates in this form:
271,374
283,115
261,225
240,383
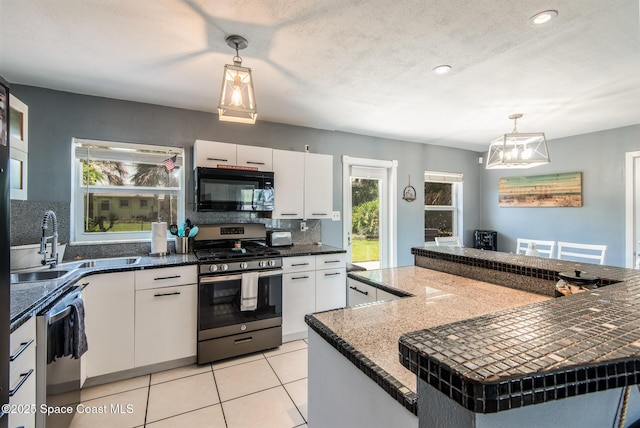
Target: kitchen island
368,336
532,365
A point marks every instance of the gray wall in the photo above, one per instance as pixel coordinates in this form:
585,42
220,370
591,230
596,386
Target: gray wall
600,156
56,117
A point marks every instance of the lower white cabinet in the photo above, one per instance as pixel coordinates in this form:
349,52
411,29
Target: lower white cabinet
298,299
310,284
359,293
165,324
109,323
22,374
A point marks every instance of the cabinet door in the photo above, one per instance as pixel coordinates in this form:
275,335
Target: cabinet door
109,323
318,185
288,169
210,154
331,289
165,326
22,375
256,157
298,299
359,292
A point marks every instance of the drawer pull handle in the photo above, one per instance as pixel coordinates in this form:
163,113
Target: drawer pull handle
319,214
289,214
300,264
332,273
23,346
255,163
166,277
218,159
299,277
167,294
366,293
332,261
24,377
241,341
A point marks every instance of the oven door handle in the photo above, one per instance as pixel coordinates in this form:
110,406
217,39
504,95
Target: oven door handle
212,279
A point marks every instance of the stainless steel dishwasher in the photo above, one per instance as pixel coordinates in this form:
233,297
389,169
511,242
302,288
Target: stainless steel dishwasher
58,382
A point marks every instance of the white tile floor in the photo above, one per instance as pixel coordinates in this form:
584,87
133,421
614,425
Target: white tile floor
266,389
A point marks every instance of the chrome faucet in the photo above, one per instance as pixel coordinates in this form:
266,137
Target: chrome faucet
52,260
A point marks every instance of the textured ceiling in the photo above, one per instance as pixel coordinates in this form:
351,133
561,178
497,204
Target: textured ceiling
348,65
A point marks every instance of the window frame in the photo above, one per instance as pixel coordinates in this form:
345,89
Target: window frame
78,191
457,181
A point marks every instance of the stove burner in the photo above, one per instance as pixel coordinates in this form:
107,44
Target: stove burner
219,251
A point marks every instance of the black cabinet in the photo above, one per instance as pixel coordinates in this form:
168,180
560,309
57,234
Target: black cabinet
485,240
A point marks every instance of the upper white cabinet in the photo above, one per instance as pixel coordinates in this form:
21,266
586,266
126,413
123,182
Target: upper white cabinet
213,154
18,147
288,169
318,185
210,154
256,157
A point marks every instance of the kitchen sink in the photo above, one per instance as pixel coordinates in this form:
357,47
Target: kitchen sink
103,263
42,275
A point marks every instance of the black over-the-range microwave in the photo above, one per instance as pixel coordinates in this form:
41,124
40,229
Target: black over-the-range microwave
223,189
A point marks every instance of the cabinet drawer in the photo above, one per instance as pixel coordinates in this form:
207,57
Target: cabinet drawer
331,261
24,397
210,154
359,292
165,277
298,264
22,348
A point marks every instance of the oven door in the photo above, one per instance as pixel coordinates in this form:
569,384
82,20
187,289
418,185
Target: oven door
219,299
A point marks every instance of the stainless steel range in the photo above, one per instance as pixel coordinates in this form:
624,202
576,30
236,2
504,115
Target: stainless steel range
239,291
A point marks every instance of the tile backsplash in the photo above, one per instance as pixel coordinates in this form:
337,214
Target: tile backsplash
26,228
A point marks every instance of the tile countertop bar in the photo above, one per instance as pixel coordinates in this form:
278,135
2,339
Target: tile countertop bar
368,334
27,299
533,354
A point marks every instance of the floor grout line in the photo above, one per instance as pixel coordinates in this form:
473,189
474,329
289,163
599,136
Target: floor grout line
287,392
224,416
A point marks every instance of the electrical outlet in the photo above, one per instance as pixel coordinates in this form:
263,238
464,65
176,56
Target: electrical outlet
335,216
303,226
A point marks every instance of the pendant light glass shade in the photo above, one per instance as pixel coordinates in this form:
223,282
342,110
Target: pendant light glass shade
518,150
237,99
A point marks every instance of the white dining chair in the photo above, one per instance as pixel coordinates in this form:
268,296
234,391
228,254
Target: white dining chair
589,253
448,241
544,248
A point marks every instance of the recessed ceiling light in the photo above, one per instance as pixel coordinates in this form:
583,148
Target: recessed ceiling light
442,69
542,17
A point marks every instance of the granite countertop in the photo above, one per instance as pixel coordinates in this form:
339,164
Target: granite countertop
308,250
369,333
559,348
29,298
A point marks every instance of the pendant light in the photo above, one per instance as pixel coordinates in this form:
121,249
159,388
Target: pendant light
518,150
237,100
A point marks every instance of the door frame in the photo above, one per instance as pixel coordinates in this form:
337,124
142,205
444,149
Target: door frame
388,252
630,212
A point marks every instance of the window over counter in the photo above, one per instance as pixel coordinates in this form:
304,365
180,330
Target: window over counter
120,188
442,204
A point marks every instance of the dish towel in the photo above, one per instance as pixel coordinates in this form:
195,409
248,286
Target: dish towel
76,338
249,292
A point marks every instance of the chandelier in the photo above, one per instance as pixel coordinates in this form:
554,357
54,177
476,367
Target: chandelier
518,150
237,100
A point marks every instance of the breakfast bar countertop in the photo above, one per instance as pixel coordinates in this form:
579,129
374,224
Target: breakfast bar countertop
372,330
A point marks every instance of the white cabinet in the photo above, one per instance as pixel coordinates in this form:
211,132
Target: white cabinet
22,374
288,170
318,185
18,147
331,282
109,323
255,157
310,284
165,326
359,293
210,154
